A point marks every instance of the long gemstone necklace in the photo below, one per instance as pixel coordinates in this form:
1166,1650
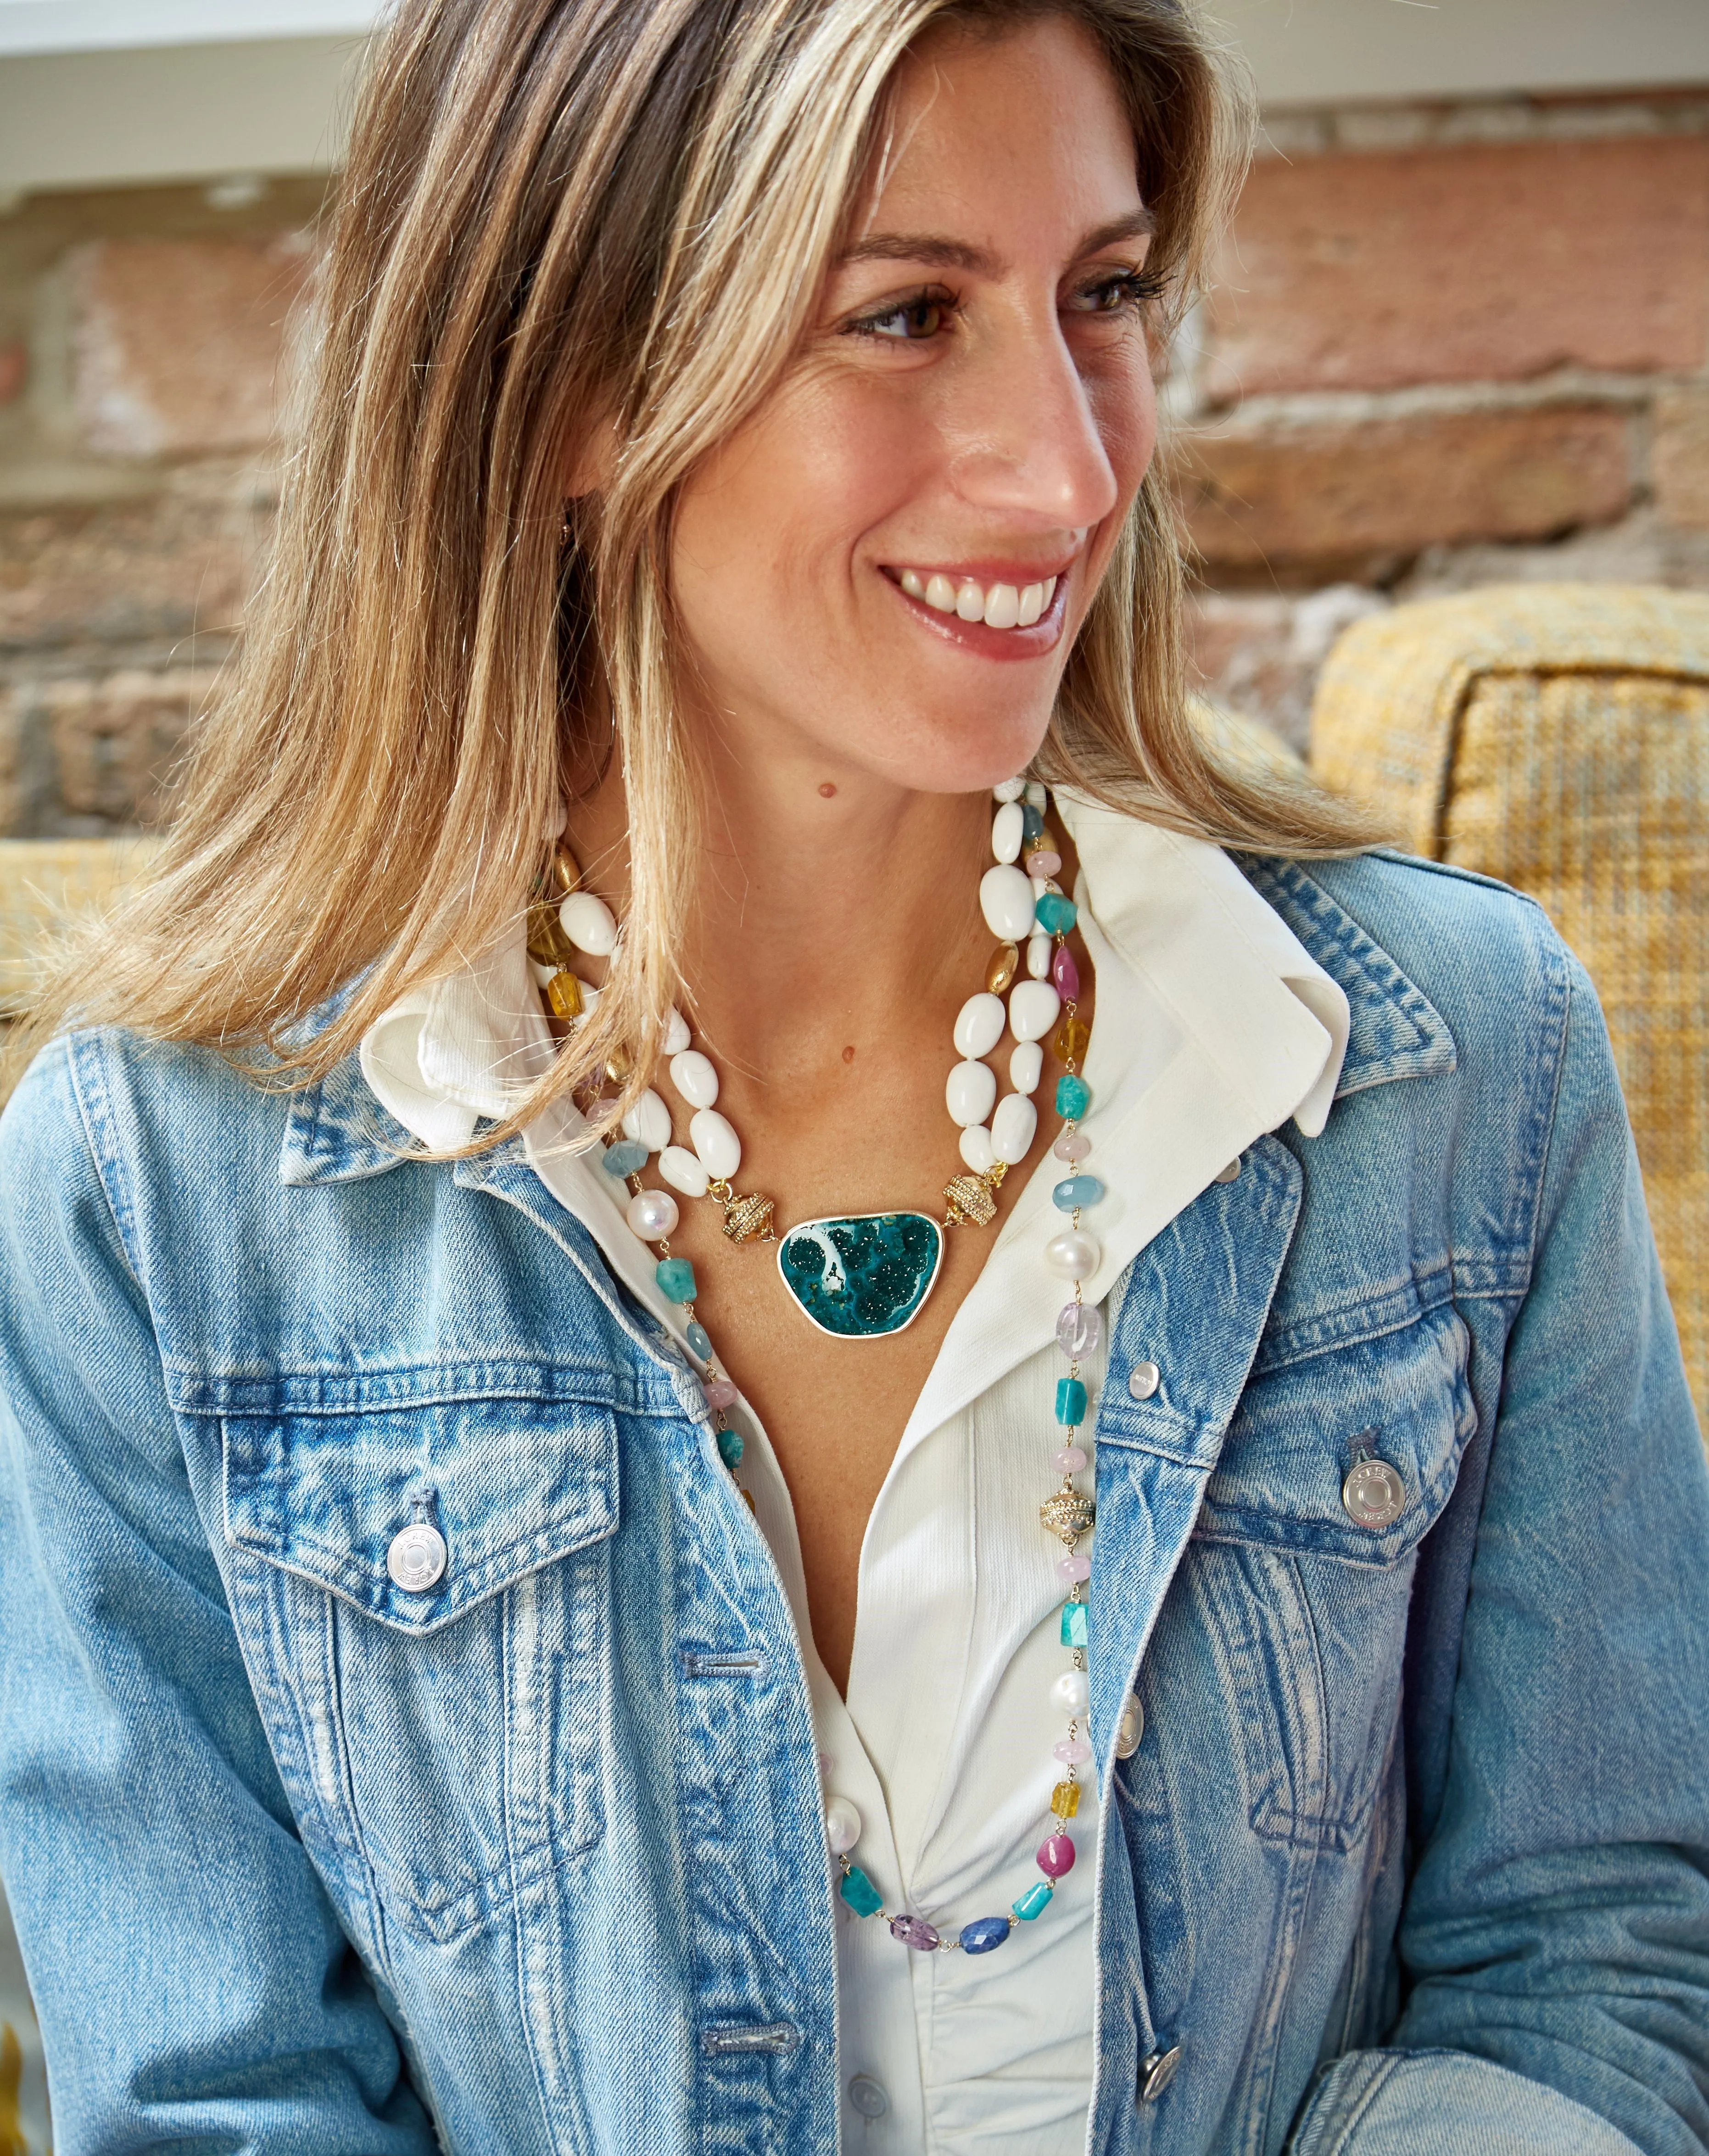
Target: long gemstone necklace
866,1275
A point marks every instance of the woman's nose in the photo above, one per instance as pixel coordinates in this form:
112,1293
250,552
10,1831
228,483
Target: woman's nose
1029,442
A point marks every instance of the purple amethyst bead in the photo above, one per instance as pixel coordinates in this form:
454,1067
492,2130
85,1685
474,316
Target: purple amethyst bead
1055,1857
1065,974
1079,1326
915,1932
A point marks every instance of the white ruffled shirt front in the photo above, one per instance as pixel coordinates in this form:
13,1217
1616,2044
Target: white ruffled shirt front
1213,1025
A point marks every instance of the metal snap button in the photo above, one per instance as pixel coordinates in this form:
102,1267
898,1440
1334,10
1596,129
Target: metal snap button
416,1558
1228,1174
867,2098
1373,1494
1143,1380
1157,2071
1130,1729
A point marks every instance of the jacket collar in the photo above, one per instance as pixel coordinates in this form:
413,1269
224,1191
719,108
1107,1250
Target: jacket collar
336,1132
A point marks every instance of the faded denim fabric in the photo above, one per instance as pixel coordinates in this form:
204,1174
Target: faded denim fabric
1411,1862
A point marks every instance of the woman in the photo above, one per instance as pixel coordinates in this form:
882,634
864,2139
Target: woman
526,1419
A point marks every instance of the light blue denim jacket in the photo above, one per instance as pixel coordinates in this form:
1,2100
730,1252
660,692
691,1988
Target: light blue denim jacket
1413,1858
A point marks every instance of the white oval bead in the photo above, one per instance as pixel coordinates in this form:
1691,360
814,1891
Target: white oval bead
977,1149
683,1171
1072,1692
1008,826
652,1213
1006,901
1033,1006
590,998
1034,793
1038,956
677,1035
714,1138
970,1090
587,921
842,1826
1008,789
542,974
979,1025
695,1077
1073,1254
1012,1128
649,1120
1026,1067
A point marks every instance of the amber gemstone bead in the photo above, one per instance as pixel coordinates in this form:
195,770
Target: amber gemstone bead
1005,963
617,1065
547,939
1065,1799
564,992
565,871
1071,1039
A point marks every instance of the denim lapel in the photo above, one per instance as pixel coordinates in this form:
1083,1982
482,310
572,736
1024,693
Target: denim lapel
336,1130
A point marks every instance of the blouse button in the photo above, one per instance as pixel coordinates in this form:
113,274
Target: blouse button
416,1559
1143,1380
1228,1175
867,2098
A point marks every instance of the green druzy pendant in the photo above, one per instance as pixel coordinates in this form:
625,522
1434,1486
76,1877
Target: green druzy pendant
864,1276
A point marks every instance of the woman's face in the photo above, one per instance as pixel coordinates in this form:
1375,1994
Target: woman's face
961,433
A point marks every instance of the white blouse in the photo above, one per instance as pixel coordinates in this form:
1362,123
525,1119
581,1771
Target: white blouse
1213,1026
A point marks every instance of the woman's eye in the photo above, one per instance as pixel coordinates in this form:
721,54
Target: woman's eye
912,322
1122,295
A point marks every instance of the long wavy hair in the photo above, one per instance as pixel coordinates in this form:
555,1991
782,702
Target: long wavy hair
560,215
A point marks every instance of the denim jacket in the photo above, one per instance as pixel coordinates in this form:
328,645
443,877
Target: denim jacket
1412,1860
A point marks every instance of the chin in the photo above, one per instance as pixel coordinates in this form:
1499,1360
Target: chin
968,758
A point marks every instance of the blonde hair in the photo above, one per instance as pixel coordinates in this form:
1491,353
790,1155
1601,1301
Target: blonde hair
559,215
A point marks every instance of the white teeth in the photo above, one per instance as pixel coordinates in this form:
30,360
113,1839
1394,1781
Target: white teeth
913,583
970,602
940,593
1031,607
1050,590
1003,607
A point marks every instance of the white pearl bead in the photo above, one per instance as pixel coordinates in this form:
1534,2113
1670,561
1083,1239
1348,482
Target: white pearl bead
1008,789
1006,901
683,1171
1008,826
652,1213
1072,1692
1073,1254
1038,956
714,1138
695,1077
977,1149
649,1120
587,921
979,1025
1033,1006
1026,1067
677,1035
1012,1128
970,1091
842,1826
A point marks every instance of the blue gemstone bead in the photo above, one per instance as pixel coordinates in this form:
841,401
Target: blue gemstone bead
1070,1403
1074,1623
626,1158
1032,821
863,1897
699,1339
1056,914
984,1934
730,1449
1033,1901
677,1280
1076,1192
1073,1097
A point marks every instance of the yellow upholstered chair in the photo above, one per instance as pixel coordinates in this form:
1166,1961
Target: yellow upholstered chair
1557,737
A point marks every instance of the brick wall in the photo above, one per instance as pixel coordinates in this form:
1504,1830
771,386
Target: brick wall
1450,345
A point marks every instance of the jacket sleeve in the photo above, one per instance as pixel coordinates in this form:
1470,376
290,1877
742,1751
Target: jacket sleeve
1555,1936
194,1988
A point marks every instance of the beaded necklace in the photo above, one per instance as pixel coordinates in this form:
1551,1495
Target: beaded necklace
866,1276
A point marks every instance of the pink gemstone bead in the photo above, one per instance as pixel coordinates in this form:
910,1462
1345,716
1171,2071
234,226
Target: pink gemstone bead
1079,1326
1056,1855
720,1393
1071,1147
1065,974
1072,1751
1076,1565
1069,1461
1044,863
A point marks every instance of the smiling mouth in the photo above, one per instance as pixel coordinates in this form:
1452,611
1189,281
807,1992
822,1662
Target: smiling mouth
996,605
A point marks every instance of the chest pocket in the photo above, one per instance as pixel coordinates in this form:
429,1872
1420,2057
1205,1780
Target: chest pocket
450,1728
1307,1606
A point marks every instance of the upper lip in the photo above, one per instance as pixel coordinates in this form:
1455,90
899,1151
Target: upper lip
987,569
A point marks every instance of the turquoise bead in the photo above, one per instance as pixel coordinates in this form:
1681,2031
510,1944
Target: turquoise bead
858,1891
677,1280
1073,1097
864,1276
1032,821
699,1339
730,1449
1074,1623
1035,1901
628,1157
1075,1192
1070,1402
1056,914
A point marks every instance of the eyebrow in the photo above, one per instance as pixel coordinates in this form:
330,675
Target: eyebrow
943,254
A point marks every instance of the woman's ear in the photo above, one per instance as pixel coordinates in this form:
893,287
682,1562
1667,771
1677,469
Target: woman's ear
594,461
